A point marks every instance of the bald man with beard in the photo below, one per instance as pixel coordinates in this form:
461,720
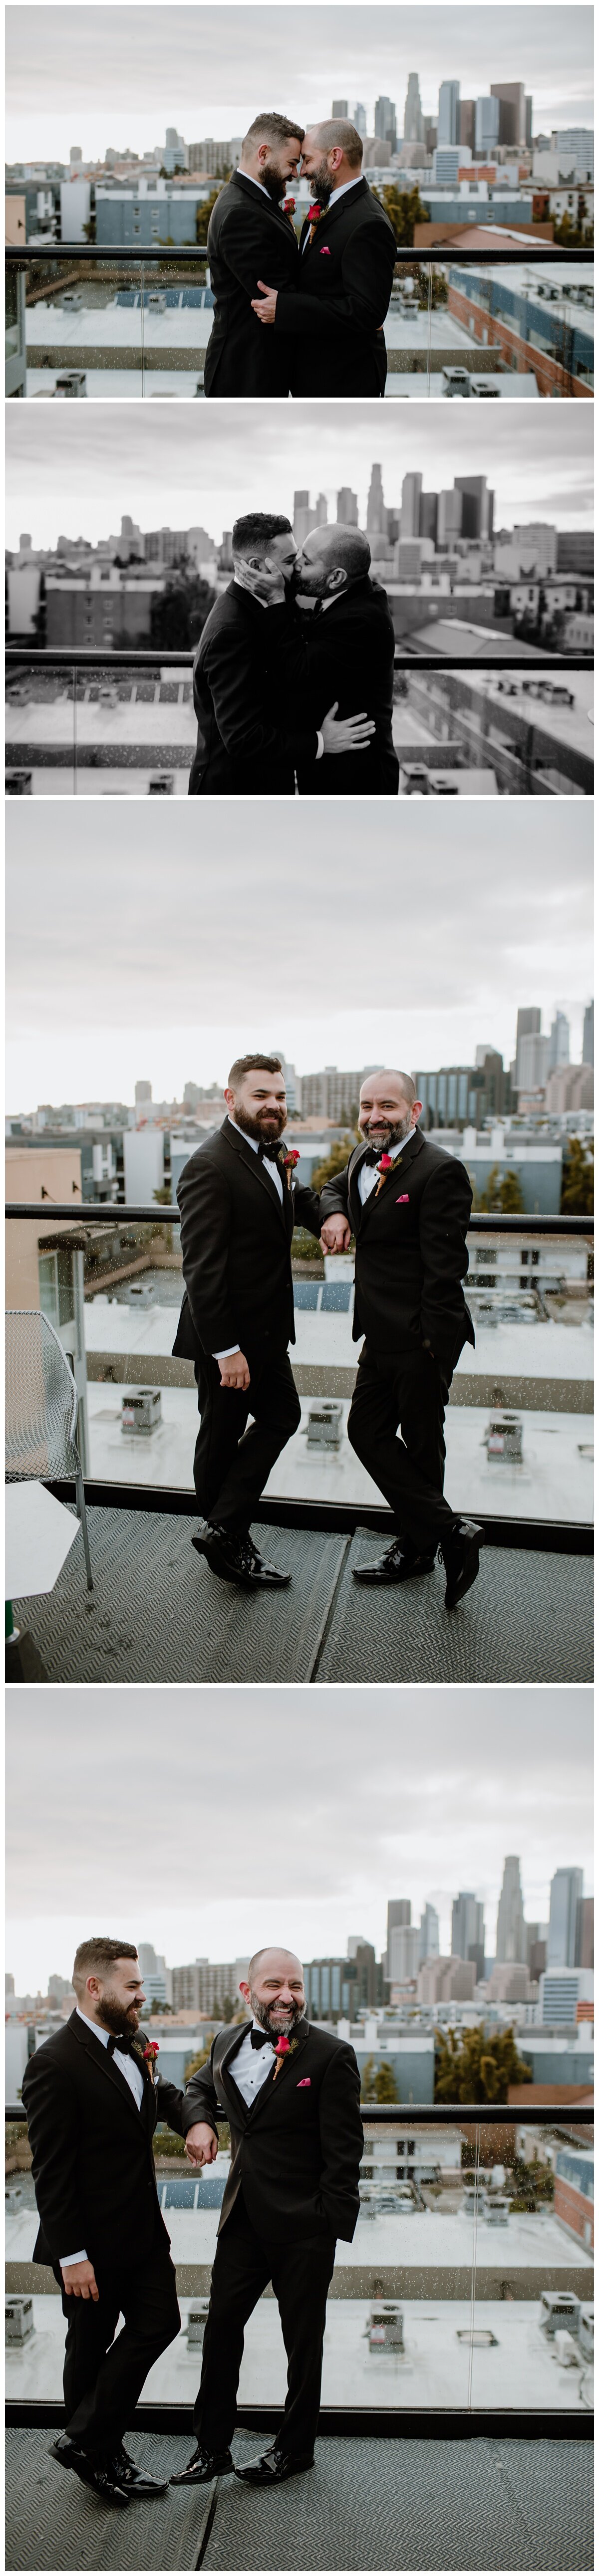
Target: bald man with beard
349,647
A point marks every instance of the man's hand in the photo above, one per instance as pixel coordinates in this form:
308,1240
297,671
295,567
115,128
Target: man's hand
264,582
336,1234
80,2281
201,2145
234,1371
352,733
264,305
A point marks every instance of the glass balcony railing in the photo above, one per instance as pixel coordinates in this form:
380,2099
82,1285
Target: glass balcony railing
467,2290
124,323
99,721
519,1428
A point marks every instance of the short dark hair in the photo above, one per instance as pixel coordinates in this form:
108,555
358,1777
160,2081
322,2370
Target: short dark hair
271,128
338,129
252,1064
99,1954
253,533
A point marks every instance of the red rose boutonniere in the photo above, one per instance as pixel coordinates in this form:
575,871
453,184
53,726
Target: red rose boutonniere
383,1168
284,2048
314,214
149,2053
289,1162
289,207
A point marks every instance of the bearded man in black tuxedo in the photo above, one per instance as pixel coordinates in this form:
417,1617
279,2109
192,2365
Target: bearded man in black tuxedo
331,312
349,643
92,2098
248,235
254,707
291,2093
239,1203
411,1258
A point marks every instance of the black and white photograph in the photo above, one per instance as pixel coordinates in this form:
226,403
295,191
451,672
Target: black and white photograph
299,1285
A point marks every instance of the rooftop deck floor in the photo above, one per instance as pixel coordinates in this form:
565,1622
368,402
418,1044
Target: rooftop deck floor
157,1614
486,2502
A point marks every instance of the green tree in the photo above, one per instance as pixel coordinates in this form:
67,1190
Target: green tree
203,214
368,2081
405,209
385,2088
530,2184
578,1173
502,1196
193,2064
305,1246
335,1161
178,613
475,2066
575,236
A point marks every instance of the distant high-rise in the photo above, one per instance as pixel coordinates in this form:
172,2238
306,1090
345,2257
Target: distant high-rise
347,507
411,492
429,511
585,1933
339,107
449,517
486,128
478,505
413,131
143,1094
466,122
565,1895
533,1063
559,1042
404,1953
512,103
399,1912
385,123
75,155
376,515
527,1025
511,1929
448,125
428,1947
359,120
468,1930
588,1047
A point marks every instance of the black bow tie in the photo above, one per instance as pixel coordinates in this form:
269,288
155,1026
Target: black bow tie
123,2043
373,1153
260,2039
268,1149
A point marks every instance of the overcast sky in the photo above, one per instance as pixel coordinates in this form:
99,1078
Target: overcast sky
160,941
211,1821
113,75
78,469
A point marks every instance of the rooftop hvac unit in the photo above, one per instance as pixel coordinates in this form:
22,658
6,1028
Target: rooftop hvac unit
385,2327
18,2319
565,2349
586,2332
503,1439
71,300
325,1425
141,1410
496,2213
18,782
71,388
559,2308
163,785
156,300
197,2320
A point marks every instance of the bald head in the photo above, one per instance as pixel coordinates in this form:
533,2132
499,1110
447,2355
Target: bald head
331,157
274,1990
388,1109
329,560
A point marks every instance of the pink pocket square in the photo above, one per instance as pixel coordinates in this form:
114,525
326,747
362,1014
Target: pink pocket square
325,254
404,1201
304,2079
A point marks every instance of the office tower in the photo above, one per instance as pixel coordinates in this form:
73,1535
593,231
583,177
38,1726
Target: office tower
403,1953
339,107
143,1094
385,123
429,511
467,122
559,1041
486,128
511,1928
585,1933
413,131
359,120
565,1895
347,507
527,1025
449,517
376,515
534,1063
399,1912
512,104
588,1051
448,127
411,491
468,1930
428,1947
478,505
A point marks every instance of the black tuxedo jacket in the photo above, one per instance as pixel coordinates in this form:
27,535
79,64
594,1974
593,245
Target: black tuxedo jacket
332,316
248,238
350,652
93,2166
296,2152
411,1252
253,729
236,1246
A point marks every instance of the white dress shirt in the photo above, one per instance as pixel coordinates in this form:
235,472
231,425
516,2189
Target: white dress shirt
254,183
276,1176
336,193
251,2066
128,2067
368,1177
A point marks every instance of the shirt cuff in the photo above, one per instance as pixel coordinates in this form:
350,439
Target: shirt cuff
229,1354
320,742
65,2259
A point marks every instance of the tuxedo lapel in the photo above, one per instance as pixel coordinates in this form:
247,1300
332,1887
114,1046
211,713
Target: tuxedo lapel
257,1167
275,2082
404,1160
247,189
331,214
106,2065
226,2074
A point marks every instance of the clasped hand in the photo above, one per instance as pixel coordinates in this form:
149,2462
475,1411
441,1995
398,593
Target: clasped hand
336,1234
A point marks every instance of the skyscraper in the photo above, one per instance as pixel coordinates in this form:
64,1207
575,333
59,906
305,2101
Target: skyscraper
565,1894
527,1025
466,122
399,1912
359,120
559,1041
511,1929
428,1946
339,107
448,127
486,128
585,1932
411,491
588,1048
403,1953
413,131
512,102
385,123
478,505
468,1930
347,507
376,515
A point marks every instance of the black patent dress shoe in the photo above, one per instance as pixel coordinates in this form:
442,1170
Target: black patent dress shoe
136,2482
103,2480
202,2468
237,1560
397,1565
461,1557
273,2467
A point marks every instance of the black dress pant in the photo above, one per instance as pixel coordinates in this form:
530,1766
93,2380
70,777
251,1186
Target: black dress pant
300,2273
232,1464
404,1391
102,2377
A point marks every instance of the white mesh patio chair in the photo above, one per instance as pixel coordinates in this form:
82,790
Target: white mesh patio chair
41,1410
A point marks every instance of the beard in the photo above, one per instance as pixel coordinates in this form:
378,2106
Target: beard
276,186
276,2019
321,184
120,2017
263,1134
388,1136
